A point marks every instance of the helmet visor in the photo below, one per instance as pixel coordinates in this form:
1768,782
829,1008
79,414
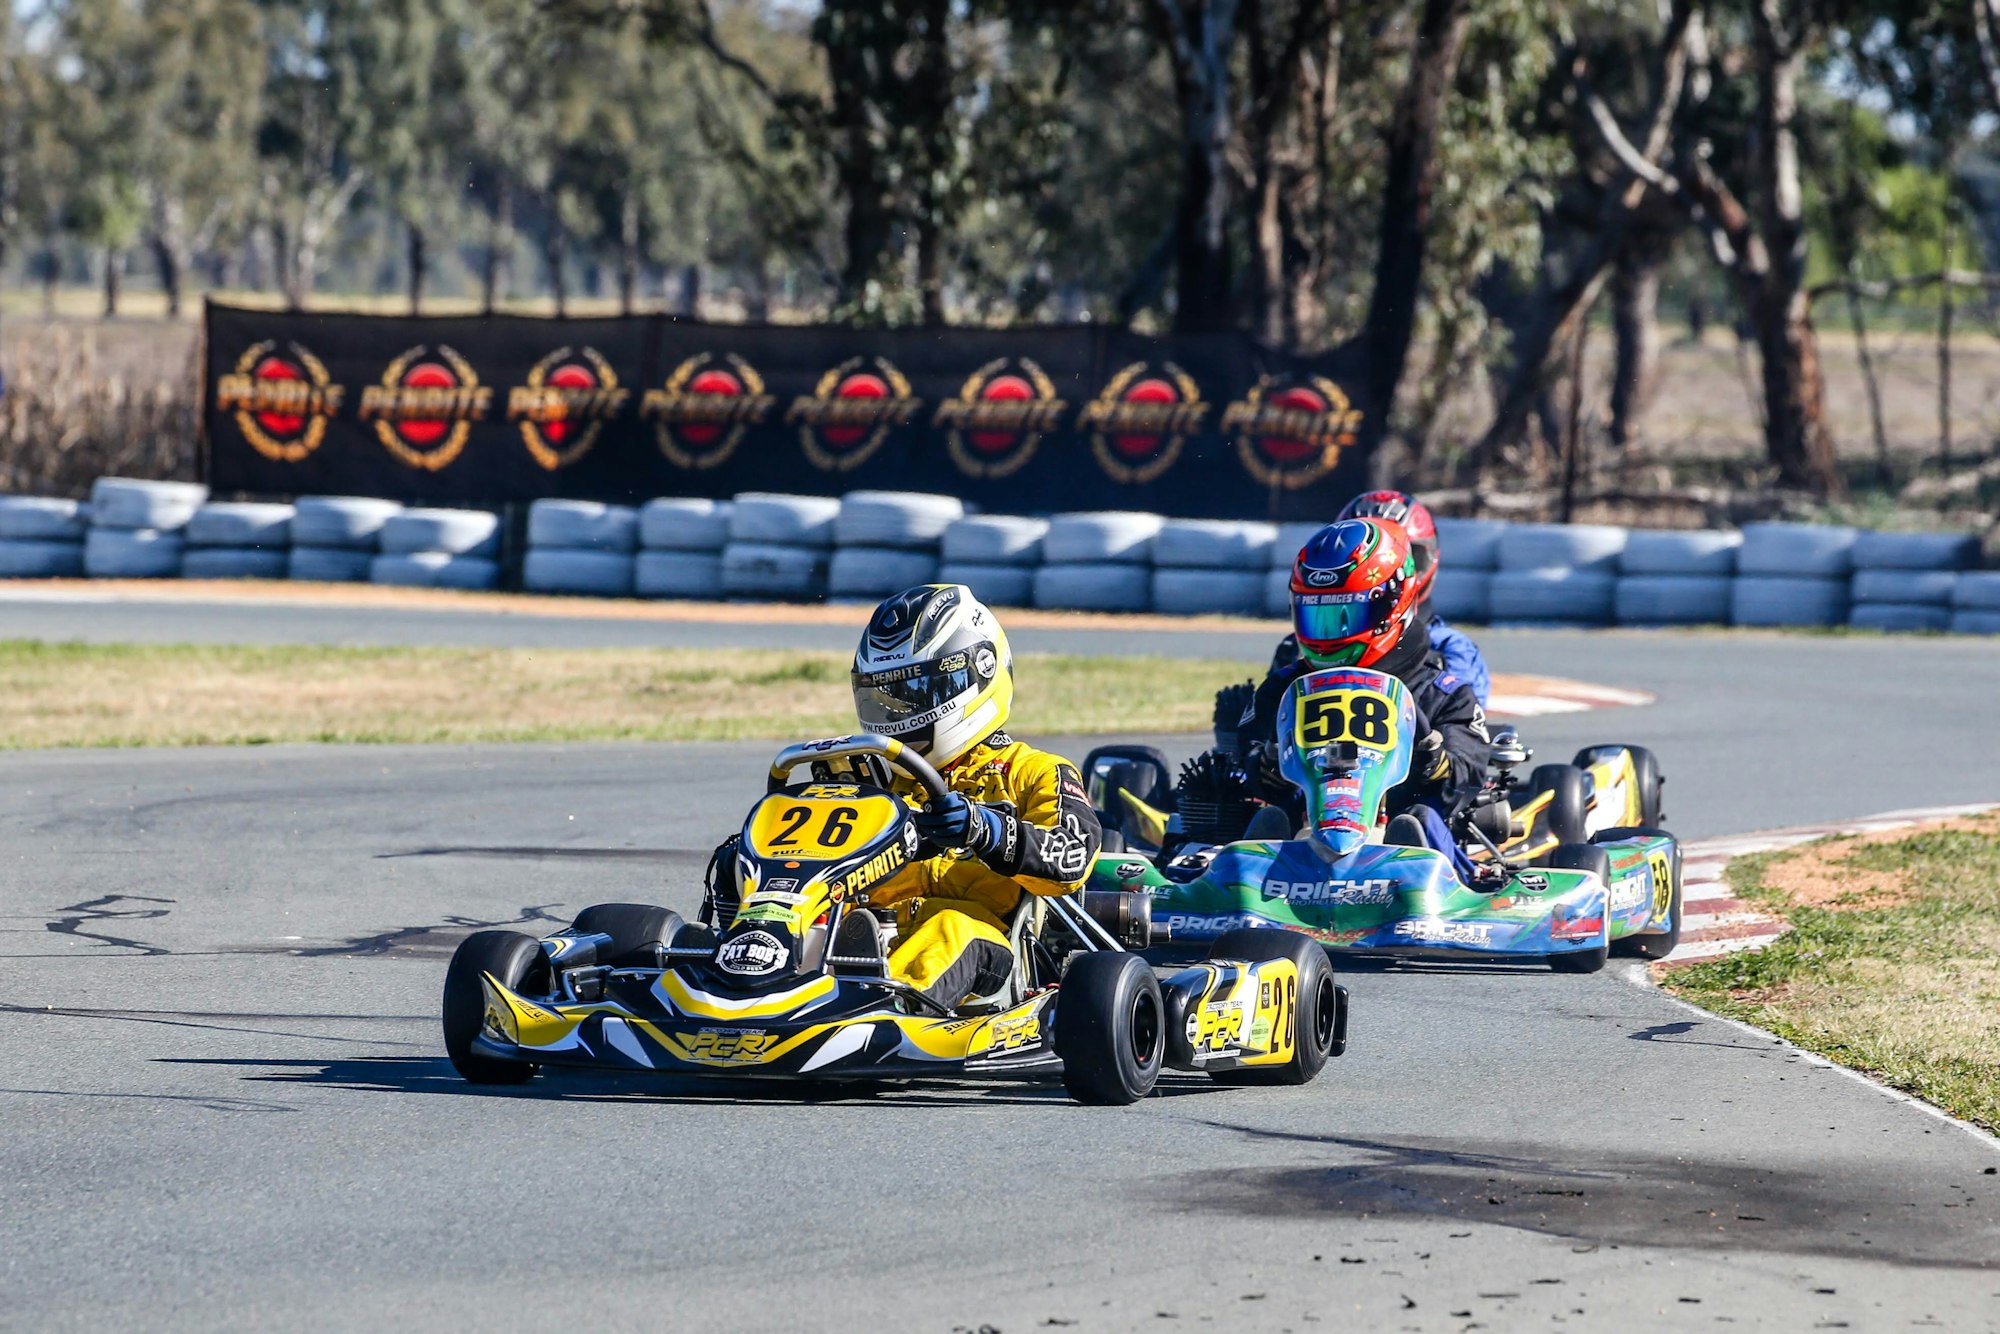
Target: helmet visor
910,696
1328,618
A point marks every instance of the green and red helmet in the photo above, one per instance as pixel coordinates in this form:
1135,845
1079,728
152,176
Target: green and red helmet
1354,592
1403,508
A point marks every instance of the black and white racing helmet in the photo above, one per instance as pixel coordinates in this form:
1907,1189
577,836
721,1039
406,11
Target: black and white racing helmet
934,671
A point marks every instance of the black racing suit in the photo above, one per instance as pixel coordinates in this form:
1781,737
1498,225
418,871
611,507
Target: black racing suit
1445,704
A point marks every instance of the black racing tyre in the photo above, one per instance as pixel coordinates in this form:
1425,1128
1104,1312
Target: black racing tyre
1581,857
1651,947
1646,767
1318,1008
1110,1028
634,928
511,958
1569,809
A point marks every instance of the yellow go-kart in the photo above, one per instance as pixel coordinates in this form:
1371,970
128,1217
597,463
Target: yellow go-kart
790,979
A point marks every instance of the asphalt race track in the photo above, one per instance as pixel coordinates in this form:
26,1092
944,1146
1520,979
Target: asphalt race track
225,1102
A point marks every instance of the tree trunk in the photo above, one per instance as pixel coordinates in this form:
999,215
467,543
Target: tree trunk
930,272
170,249
114,265
499,240
169,265
1635,302
848,36
628,252
1202,42
1795,424
555,252
690,302
419,261
1408,177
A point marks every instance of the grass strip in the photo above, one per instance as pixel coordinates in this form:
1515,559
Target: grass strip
189,695
1892,965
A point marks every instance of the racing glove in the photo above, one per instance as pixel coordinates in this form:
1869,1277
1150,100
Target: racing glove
953,823
1430,760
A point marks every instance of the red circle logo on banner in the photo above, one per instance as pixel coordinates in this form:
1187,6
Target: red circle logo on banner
851,412
1290,432
282,399
700,416
998,417
425,405
1141,420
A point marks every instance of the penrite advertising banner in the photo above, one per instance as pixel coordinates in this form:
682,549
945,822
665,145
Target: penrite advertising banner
489,409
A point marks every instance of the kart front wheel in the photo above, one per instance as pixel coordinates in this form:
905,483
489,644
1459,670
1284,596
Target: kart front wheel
1316,1019
1582,857
1569,807
509,956
1110,1028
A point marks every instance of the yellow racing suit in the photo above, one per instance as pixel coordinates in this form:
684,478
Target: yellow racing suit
951,909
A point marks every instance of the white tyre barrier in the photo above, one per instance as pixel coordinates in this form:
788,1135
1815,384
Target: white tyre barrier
1580,547
1099,587
1459,594
473,533
233,523
435,569
1214,544
1977,590
903,519
1975,622
676,524
1899,616
582,525
340,522
994,539
127,502
1673,599
677,574
20,559
1470,544
1775,600
997,585
234,563
1915,551
876,572
1795,550
132,553
1285,543
1649,551
1552,597
769,570
1278,593
1104,537
42,519
328,565
763,518
1209,592
1930,588
578,572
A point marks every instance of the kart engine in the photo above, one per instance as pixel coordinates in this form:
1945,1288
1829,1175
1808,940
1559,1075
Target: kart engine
1215,799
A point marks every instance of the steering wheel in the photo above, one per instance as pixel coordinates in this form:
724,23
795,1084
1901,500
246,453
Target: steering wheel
887,749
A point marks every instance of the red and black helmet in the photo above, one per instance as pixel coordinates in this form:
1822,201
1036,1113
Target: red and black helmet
1354,592
1404,508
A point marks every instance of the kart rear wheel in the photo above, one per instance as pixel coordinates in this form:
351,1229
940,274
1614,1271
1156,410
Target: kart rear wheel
1652,946
634,928
1645,768
511,958
1317,1016
1569,808
1110,1028
1581,857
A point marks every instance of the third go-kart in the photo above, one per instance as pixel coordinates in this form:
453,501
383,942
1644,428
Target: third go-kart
1345,738
788,976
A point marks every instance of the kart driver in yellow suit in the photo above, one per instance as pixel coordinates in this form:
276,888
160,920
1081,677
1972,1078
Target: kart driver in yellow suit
934,671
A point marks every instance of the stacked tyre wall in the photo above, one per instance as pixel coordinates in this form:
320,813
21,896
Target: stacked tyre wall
868,544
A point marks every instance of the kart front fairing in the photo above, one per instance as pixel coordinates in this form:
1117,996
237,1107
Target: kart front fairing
1345,739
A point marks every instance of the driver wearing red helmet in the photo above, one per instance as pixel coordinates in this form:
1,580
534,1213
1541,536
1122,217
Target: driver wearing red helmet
1355,595
1462,657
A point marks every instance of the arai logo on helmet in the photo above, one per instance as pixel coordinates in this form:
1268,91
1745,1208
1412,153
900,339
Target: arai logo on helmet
1322,578
752,954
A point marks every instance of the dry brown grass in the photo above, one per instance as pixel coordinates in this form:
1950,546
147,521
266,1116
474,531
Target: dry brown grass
1892,964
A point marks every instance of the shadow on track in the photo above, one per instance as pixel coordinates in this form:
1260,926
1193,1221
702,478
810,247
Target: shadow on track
1853,1210
433,1074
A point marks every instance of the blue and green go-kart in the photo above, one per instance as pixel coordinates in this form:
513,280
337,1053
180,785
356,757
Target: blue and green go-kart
1345,738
